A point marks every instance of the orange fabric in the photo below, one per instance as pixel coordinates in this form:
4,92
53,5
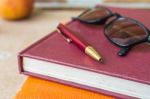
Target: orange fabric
34,88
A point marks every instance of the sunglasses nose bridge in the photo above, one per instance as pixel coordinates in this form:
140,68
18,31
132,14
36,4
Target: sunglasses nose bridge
112,18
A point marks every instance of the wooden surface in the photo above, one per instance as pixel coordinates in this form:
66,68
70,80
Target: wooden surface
17,35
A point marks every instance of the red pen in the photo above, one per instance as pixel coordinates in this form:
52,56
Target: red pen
85,47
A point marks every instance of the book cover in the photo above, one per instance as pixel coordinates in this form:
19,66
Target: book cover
35,88
133,67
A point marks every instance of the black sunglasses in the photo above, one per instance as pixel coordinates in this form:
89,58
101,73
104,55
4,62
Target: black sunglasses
122,31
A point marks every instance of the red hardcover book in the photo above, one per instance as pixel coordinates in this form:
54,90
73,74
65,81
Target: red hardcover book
52,58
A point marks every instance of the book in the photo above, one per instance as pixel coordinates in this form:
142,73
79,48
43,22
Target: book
35,88
52,58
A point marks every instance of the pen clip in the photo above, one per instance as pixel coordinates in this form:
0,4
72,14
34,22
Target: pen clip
64,36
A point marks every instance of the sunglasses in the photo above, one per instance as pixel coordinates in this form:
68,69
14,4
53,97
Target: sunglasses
120,30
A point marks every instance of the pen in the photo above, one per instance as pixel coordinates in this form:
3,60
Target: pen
85,47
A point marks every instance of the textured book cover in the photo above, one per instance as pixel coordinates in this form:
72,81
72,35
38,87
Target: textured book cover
53,48
35,88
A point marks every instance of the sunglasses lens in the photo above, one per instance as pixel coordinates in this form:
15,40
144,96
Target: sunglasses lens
125,32
94,14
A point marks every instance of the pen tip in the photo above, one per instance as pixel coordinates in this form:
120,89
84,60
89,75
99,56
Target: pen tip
101,60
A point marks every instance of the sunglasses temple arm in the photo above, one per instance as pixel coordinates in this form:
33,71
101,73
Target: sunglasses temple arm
124,51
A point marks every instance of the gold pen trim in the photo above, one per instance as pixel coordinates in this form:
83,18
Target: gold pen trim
90,51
